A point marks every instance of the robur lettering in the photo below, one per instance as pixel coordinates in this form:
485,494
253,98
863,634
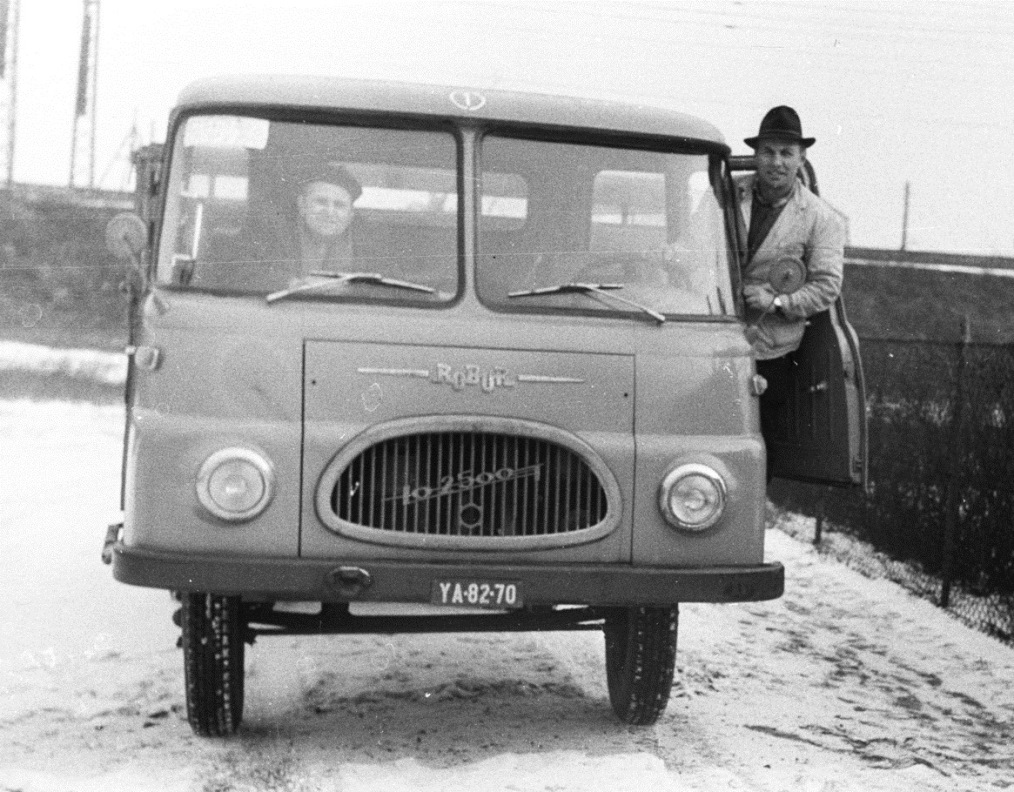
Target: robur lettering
472,376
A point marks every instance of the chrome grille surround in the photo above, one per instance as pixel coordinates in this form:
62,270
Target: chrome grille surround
468,483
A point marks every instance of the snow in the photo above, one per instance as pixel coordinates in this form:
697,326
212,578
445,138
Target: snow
845,684
59,479
556,770
107,368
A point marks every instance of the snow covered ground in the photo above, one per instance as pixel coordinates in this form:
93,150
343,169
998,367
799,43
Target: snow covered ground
846,684
108,368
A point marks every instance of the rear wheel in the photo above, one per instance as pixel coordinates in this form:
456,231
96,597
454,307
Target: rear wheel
213,632
640,661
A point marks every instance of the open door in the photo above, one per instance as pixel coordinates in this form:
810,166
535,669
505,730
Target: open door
148,163
821,434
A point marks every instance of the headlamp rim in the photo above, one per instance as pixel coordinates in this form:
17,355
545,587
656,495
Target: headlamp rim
680,472
233,454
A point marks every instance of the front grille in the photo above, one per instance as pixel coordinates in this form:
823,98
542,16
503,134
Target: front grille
469,484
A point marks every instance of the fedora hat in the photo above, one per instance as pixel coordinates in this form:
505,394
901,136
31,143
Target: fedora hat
781,122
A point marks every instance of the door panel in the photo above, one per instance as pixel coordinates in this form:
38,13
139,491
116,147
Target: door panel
821,434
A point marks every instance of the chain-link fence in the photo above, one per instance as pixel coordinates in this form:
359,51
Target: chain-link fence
939,514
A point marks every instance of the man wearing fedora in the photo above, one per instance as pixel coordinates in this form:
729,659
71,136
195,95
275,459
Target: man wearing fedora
788,227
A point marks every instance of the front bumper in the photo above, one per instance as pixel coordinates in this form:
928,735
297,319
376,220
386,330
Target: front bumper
334,580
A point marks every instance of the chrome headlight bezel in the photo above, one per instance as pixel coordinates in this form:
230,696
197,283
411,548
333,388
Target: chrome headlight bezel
704,480
250,462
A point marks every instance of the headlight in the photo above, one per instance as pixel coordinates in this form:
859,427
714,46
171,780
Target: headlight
235,484
692,497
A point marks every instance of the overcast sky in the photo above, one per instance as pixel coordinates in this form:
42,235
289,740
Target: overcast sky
893,91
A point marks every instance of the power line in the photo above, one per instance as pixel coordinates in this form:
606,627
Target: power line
984,59
816,13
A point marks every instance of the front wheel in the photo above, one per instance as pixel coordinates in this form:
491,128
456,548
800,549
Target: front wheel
640,661
213,632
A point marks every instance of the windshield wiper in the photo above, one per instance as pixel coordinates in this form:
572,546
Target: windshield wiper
318,280
586,288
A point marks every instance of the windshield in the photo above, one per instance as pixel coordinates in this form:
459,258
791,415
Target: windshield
260,207
569,227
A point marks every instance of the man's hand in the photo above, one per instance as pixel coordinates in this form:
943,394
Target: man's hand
759,296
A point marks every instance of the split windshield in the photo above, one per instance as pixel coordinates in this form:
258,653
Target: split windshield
296,211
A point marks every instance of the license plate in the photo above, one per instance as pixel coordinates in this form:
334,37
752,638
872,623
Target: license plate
473,593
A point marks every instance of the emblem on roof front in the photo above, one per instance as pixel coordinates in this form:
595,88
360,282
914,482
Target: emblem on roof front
468,100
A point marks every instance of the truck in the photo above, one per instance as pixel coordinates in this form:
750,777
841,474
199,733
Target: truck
523,400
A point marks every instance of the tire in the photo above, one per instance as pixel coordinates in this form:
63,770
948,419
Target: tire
213,632
640,662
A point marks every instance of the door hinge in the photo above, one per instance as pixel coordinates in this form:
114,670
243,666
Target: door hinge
146,357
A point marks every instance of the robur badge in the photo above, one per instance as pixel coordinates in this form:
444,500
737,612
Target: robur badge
459,378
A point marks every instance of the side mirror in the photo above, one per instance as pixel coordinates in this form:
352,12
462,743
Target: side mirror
126,236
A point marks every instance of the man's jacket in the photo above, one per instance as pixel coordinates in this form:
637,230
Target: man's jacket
808,229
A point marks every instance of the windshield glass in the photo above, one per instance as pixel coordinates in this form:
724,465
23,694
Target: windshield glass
639,225
257,206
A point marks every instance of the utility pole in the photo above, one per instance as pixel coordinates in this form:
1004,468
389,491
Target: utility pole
904,218
10,12
82,152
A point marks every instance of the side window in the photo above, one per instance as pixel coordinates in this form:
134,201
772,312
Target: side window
208,192
214,205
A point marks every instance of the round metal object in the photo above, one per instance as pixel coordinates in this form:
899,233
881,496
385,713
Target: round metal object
126,235
787,274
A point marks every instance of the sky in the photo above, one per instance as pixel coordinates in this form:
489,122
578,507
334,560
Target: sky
895,92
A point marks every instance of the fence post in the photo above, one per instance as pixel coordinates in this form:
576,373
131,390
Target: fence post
818,522
956,452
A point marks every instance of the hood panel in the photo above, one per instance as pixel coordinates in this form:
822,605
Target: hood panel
353,386
354,383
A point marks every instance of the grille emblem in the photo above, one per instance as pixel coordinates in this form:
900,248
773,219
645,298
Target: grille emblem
464,482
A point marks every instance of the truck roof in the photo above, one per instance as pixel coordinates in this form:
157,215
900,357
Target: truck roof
330,93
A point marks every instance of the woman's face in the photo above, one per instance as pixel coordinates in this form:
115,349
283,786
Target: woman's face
325,208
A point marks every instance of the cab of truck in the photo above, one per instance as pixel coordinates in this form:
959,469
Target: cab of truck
523,395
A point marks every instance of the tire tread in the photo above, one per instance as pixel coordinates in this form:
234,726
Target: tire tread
213,630
641,662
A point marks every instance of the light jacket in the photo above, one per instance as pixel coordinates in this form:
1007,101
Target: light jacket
808,229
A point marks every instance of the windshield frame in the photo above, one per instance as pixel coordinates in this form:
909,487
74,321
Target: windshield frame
341,117
717,154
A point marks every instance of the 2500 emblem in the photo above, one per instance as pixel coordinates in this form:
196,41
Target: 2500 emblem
463,482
